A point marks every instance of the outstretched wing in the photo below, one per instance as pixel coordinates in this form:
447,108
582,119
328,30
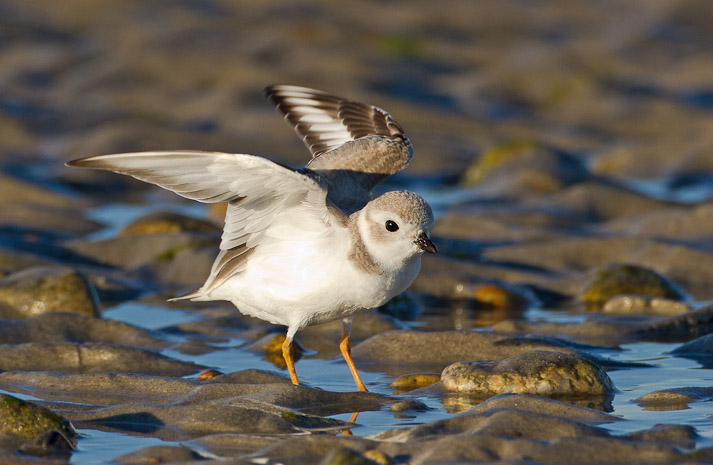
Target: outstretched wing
257,190
344,135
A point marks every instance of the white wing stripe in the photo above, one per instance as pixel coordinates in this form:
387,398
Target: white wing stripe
316,118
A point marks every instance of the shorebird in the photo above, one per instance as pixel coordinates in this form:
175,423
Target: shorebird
310,245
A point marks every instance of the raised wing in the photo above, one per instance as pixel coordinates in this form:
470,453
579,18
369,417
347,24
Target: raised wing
325,121
353,144
257,190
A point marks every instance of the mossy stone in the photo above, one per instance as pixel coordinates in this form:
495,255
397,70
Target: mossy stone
27,420
620,279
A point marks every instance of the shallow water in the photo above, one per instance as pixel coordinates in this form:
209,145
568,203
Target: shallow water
231,355
333,375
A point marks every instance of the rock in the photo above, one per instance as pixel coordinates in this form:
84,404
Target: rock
674,399
644,305
324,338
345,456
535,372
544,405
683,436
131,251
166,223
700,346
97,388
522,166
159,454
314,448
49,443
27,420
270,346
409,405
403,351
189,420
614,280
38,290
233,444
90,358
619,329
409,382
70,327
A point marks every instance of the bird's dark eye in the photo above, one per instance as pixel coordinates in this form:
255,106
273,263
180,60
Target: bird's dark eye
391,226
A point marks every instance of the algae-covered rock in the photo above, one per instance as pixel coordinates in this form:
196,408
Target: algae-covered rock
167,222
44,289
409,382
523,166
617,279
535,372
27,420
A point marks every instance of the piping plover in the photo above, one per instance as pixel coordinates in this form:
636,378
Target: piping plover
304,246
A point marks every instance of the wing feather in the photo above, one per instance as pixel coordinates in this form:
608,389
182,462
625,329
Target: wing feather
256,189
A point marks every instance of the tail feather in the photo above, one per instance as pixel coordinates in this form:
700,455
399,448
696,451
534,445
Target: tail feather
190,296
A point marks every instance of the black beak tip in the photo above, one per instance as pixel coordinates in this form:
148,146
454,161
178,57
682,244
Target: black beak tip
424,243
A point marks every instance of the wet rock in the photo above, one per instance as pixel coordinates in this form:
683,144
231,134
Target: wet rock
97,389
311,449
646,305
535,372
253,376
688,265
522,166
159,454
185,267
618,329
544,405
232,444
136,250
409,382
345,456
49,289
674,399
70,327
90,358
615,280
166,223
270,346
683,436
700,346
508,421
189,420
28,205
430,351
324,338
27,420
49,443
563,450
409,405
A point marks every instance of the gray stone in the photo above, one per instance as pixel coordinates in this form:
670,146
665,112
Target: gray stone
90,358
71,327
38,290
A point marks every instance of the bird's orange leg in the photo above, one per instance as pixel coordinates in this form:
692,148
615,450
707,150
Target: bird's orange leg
287,353
347,353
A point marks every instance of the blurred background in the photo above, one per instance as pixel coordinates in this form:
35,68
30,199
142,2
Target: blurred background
624,84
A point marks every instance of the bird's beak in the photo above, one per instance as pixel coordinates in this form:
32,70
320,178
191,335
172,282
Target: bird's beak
423,242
